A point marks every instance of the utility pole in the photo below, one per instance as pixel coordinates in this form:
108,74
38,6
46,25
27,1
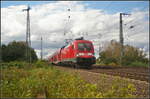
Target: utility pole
41,49
0,49
121,37
28,40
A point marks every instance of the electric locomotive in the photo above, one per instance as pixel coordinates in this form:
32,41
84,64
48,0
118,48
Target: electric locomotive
78,53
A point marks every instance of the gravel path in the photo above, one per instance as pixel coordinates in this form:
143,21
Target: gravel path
142,87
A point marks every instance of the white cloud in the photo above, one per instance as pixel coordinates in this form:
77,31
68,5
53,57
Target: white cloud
50,21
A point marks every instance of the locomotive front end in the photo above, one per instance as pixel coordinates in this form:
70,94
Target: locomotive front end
85,53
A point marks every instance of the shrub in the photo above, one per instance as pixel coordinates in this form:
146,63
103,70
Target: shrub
10,86
112,64
20,82
16,51
115,87
101,63
54,82
136,63
41,64
110,60
112,51
17,64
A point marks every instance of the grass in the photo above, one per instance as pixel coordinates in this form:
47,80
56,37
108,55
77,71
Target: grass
133,64
19,81
113,87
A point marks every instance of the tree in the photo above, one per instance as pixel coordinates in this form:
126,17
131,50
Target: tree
131,54
16,51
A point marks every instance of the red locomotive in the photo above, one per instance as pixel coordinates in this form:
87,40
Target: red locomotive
78,53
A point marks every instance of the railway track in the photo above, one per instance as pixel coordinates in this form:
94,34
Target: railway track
128,75
141,74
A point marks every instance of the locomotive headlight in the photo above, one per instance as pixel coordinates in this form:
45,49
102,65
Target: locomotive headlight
80,54
90,53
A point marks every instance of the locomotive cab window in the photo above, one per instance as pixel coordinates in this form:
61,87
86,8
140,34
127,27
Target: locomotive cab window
84,46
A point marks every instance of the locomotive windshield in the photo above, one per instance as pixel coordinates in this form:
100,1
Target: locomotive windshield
84,46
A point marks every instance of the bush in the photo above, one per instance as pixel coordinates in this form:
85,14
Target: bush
41,63
17,64
112,64
101,63
111,54
136,63
20,82
110,60
115,87
16,51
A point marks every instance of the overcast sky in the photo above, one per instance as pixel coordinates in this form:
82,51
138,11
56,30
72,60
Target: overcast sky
97,21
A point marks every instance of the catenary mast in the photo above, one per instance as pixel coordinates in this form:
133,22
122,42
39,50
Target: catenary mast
28,39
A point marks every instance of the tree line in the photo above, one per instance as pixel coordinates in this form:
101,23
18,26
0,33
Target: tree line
132,55
16,51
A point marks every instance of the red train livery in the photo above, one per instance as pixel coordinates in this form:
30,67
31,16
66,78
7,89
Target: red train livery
78,53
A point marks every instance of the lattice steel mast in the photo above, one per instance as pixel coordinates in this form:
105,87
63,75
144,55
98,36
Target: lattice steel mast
28,40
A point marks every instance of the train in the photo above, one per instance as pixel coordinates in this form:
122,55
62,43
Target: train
78,53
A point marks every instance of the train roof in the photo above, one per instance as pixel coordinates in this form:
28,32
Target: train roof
83,41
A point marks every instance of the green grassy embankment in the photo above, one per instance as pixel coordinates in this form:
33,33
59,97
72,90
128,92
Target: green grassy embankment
19,79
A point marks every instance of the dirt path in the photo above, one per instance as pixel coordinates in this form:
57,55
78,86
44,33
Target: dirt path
141,86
